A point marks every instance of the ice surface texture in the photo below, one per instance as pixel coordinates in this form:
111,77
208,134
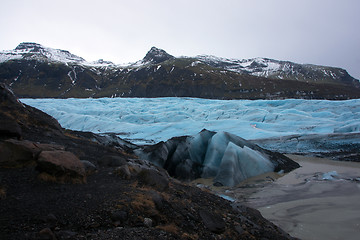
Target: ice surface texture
159,119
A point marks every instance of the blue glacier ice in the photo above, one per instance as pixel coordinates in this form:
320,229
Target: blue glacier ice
226,158
152,120
222,153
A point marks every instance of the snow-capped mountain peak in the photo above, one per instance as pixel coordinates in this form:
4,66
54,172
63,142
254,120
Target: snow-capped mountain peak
276,69
156,55
30,65
252,65
35,51
28,46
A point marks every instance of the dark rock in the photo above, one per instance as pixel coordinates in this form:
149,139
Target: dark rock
123,172
119,215
213,222
50,218
49,147
218,184
65,234
112,161
31,121
46,234
90,168
9,127
158,153
2,191
94,225
64,166
158,200
16,153
112,140
7,95
148,222
154,178
239,229
156,55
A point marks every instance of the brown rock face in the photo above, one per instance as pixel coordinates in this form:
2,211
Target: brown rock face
15,153
64,166
9,127
154,178
19,153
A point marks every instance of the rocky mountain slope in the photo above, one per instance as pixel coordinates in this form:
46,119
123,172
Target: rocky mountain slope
62,184
33,70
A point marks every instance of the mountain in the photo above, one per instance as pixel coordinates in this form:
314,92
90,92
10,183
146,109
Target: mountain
156,55
35,51
33,70
269,68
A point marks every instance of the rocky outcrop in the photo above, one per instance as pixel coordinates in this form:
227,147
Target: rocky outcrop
213,222
52,162
154,178
9,128
15,153
156,55
18,153
20,120
62,165
225,157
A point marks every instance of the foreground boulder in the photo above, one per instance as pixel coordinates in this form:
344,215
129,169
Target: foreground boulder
19,153
227,158
15,153
62,165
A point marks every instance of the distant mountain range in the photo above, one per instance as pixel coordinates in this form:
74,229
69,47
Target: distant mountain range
33,70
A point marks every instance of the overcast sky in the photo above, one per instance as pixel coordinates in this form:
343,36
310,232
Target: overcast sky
324,32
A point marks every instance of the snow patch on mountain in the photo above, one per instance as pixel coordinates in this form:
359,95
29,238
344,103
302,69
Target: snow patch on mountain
254,66
154,56
262,67
35,51
270,68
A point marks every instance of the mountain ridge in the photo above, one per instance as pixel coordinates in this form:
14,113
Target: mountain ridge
33,70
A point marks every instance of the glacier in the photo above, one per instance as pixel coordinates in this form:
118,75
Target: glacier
151,120
170,131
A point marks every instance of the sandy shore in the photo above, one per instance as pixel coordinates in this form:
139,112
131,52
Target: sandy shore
320,200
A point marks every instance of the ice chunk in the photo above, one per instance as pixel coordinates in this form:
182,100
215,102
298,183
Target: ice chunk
240,163
227,158
214,154
199,145
352,127
330,175
226,197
